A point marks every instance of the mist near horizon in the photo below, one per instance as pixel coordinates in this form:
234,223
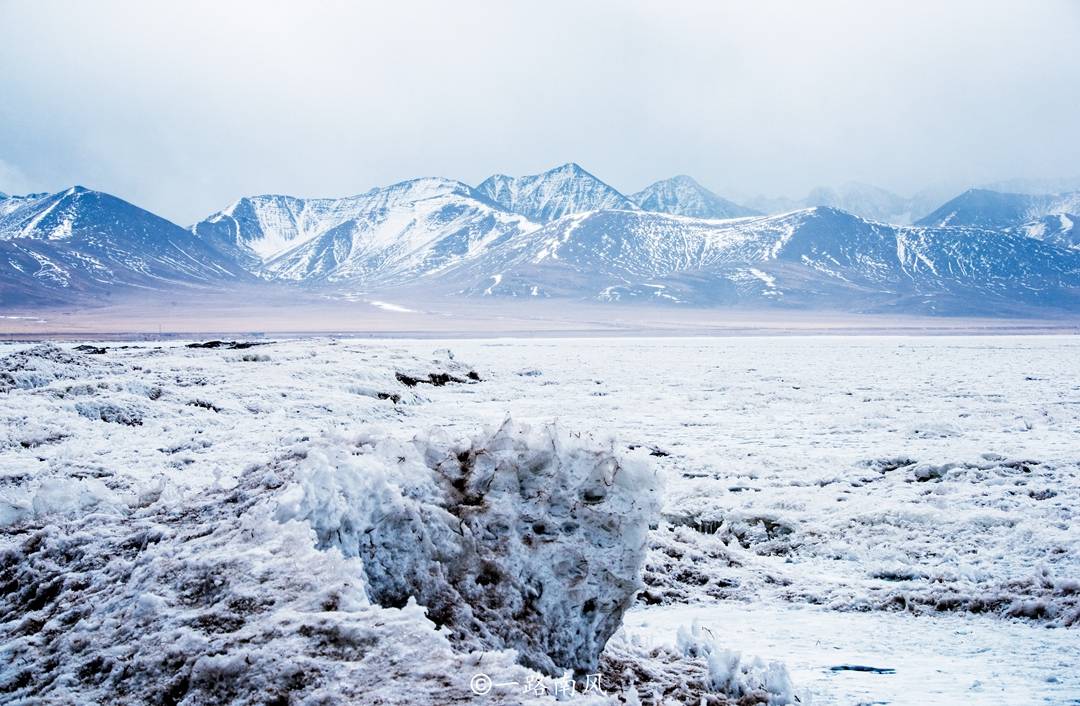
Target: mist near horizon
184,108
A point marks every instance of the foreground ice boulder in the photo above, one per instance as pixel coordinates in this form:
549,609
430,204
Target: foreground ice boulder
524,538
210,602
223,596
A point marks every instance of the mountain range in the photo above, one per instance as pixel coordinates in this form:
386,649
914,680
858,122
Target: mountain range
560,234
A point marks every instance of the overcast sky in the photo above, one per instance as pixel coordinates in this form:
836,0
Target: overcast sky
183,107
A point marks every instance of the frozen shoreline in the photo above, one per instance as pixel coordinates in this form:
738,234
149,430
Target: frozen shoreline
297,314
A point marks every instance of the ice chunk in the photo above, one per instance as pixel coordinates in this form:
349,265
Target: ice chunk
42,364
752,680
206,600
522,537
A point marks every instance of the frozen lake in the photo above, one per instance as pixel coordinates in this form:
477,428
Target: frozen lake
800,430
897,502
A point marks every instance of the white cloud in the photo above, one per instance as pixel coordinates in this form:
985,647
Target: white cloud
183,108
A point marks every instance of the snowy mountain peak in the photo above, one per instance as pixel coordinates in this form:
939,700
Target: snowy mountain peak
568,168
75,241
419,189
55,216
257,229
553,194
831,212
995,209
683,181
682,196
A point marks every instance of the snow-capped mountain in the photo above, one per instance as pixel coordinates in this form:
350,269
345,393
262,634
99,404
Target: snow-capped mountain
864,200
401,231
77,242
9,203
682,196
994,209
257,228
815,257
985,253
557,192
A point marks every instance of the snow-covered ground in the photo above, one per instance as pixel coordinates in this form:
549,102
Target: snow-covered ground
180,520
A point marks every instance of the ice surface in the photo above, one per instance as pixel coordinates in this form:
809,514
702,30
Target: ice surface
799,460
793,475
893,502
945,659
252,581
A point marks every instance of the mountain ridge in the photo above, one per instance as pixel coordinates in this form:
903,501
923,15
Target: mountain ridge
995,209
557,192
682,195
85,241
446,238
864,200
812,257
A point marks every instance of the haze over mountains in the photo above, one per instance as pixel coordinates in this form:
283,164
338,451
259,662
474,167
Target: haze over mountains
563,234
682,196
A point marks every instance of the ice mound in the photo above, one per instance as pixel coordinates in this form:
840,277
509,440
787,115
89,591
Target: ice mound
40,365
521,537
750,681
121,411
210,600
686,566
59,496
695,671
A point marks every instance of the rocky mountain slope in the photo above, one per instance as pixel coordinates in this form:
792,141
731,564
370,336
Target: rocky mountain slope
818,257
79,242
994,209
563,234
